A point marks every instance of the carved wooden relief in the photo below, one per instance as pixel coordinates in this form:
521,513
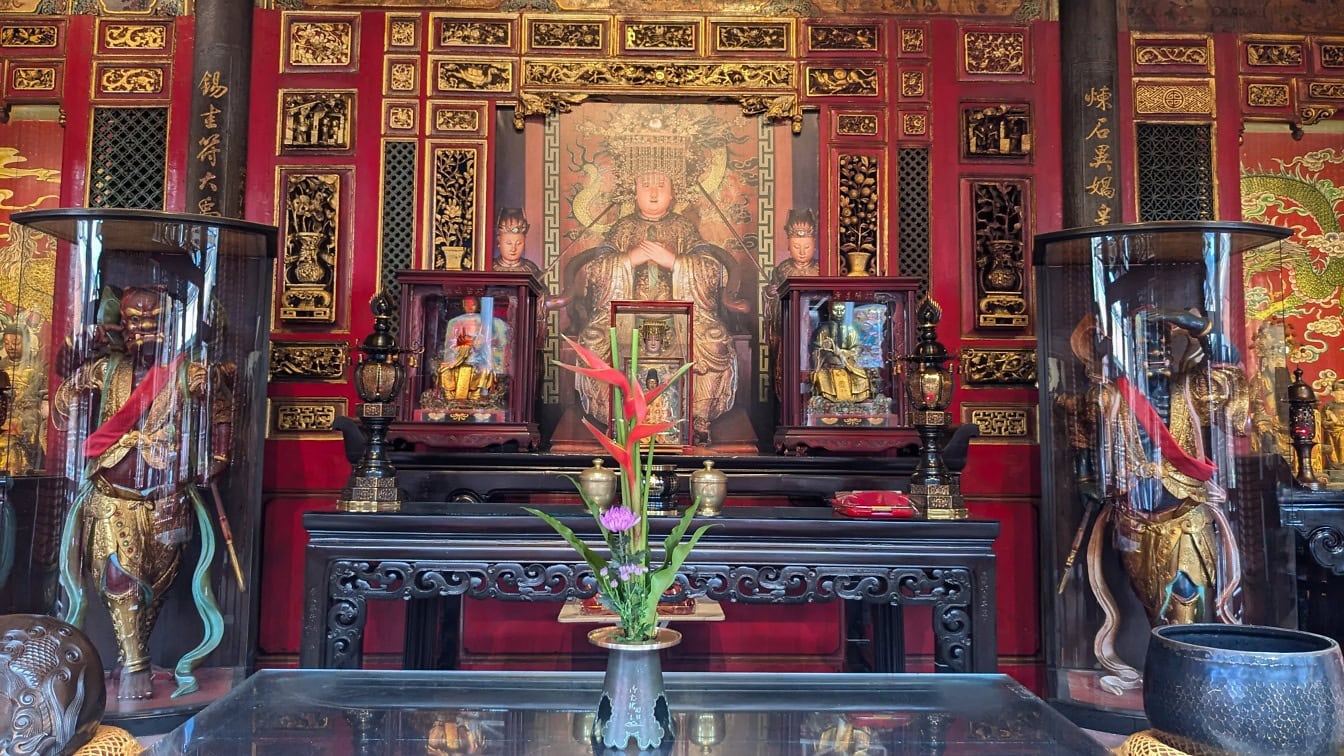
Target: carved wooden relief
576,35
34,79
1325,90
452,33
1275,54
400,117
447,119
403,33
1173,97
839,80
137,81
298,418
660,36
316,120
857,124
455,207
915,124
997,131
637,76
118,37
860,214
995,52
1002,423
308,283
912,40
314,44
1262,94
1330,54
309,361
913,83
849,38
762,36
472,75
1000,257
982,366
401,76
30,36
1181,52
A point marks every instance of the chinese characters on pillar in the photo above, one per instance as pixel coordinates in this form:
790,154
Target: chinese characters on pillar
1100,173
208,144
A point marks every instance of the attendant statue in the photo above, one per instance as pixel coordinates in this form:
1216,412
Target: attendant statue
510,242
657,254
162,426
25,431
474,363
800,233
1332,427
837,375
1155,468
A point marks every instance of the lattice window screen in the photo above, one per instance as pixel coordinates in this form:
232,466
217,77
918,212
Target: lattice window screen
127,153
398,216
912,213
1175,171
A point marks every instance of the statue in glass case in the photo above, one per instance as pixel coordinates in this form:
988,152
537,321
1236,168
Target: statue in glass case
473,370
24,430
846,373
159,409
1153,474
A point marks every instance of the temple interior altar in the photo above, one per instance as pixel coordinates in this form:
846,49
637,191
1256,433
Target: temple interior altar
1045,295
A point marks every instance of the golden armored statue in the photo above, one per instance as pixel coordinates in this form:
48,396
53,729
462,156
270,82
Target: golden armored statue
836,374
161,427
1147,465
475,355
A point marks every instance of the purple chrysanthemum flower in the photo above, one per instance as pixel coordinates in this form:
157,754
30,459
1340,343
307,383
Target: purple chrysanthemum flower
628,571
618,519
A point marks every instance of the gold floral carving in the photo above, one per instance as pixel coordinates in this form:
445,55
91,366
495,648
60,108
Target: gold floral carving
130,80
29,35
1332,56
567,35
912,83
996,52
860,194
1267,95
401,117
318,120
1279,54
1001,422
312,226
320,43
863,37
856,124
781,108
475,34
463,76
1313,114
454,119
1164,98
455,201
401,76
1171,55
402,33
302,418
758,37
33,78
998,367
1325,90
309,361
710,77
842,81
135,37
544,104
912,40
661,36
1000,262
914,124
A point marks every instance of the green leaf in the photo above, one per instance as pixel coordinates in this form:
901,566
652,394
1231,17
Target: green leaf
675,536
662,578
587,503
593,559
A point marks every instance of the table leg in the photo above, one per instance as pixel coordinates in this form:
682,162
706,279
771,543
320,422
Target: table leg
450,632
952,650
421,633
984,606
888,638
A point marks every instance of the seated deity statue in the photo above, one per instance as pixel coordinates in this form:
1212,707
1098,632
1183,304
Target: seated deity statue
836,373
474,358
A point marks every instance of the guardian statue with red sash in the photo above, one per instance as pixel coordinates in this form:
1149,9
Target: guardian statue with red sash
160,430
1153,458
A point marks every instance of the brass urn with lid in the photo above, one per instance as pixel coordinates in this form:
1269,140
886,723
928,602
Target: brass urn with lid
709,487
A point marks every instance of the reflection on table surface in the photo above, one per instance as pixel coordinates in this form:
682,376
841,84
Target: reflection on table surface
440,713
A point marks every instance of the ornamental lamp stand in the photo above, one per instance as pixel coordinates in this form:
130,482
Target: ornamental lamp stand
1302,428
378,379
929,387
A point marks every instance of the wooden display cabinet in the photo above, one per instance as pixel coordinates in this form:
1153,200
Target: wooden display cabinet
472,362
842,339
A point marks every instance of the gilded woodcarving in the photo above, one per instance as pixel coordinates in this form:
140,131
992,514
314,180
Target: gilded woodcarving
1274,54
457,120
1002,423
401,75
755,37
130,80
29,35
998,367
851,38
997,131
1325,90
912,83
995,52
781,108
545,104
634,75
567,35
860,231
1332,55
33,78
1155,98
312,226
912,40
309,361
1000,262
139,37
305,418
473,76
316,120
1268,95
914,124
838,80
403,33
320,43
1313,114
453,242
401,117
1171,54
671,37
475,34
856,124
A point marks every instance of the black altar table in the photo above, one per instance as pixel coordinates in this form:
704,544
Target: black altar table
378,712
775,555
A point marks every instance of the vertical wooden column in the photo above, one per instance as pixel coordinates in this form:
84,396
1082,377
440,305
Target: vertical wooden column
221,72
1091,184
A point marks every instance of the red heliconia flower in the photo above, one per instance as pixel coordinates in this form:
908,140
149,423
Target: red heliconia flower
597,369
642,431
637,405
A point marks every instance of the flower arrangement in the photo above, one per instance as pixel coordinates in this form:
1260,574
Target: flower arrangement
629,584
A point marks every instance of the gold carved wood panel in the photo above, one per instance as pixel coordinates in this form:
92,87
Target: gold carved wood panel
314,243
455,206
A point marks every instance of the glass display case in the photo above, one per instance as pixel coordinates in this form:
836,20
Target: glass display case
841,339
146,525
1158,502
472,367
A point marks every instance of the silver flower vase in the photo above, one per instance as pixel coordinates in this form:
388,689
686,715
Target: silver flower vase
633,707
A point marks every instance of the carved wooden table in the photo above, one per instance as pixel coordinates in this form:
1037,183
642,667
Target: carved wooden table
768,555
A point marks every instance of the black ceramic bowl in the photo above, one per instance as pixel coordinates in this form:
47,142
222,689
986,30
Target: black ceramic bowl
1245,689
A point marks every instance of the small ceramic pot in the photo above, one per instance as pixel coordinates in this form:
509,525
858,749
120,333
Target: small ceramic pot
1244,689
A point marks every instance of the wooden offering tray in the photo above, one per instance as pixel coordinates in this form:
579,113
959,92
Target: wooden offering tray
699,609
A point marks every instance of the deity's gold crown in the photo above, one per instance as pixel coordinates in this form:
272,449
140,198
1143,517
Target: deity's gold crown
512,221
652,144
801,223
659,325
